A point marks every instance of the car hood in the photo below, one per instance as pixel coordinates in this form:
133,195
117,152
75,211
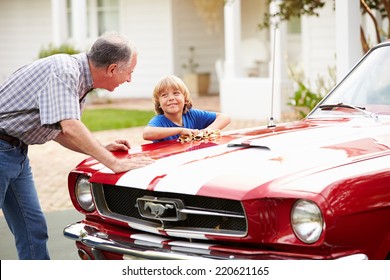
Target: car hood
255,162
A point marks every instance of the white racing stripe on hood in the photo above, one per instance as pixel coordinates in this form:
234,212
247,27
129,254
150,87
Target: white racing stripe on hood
317,182
260,167
256,167
191,177
289,153
314,137
142,177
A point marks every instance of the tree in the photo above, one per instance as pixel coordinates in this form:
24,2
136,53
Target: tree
377,10
369,7
292,8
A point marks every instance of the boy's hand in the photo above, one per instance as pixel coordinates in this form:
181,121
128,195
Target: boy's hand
189,132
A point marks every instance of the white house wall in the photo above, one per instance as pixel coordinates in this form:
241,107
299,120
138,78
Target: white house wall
319,42
25,27
163,31
148,24
190,29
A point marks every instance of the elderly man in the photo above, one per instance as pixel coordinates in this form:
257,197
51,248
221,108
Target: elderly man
43,101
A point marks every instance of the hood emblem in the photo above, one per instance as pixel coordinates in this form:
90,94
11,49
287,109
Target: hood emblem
162,209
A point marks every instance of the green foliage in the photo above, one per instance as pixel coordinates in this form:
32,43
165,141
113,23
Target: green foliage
378,11
292,8
107,119
51,49
305,99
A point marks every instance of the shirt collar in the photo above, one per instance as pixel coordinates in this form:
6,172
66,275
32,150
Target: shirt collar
86,72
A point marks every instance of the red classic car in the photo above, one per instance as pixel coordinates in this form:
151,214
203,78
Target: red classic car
318,188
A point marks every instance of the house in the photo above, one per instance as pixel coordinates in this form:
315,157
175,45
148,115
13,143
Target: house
248,66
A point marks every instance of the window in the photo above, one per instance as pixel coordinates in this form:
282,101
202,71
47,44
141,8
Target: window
101,16
108,16
69,18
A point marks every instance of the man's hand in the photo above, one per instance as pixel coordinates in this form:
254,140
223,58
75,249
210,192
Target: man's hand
77,137
129,163
123,165
118,145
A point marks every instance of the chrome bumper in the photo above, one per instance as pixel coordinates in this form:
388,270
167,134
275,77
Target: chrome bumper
99,241
151,247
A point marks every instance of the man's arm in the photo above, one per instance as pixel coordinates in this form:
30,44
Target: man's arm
76,136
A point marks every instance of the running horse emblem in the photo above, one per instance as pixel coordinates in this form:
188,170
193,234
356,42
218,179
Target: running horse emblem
157,209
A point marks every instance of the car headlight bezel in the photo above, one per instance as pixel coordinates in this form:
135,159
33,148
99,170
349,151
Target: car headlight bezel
307,221
83,194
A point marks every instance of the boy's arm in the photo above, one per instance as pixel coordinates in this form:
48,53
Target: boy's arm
221,121
156,133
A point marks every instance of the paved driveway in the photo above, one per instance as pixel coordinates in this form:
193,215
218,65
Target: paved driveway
60,248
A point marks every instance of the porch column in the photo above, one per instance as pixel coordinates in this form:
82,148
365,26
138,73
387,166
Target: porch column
58,14
79,23
348,45
232,15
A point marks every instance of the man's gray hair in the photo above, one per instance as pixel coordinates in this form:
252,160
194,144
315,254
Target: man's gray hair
110,48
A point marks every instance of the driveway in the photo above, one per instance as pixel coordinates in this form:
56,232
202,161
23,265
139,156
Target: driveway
60,248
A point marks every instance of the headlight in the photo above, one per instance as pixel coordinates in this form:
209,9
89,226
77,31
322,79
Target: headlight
83,192
306,221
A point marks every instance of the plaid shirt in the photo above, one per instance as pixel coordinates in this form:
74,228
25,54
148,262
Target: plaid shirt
38,96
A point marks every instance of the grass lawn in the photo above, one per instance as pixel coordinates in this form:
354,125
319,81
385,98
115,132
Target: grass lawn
107,119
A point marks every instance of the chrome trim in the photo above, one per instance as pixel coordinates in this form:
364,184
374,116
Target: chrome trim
355,257
99,241
79,232
209,213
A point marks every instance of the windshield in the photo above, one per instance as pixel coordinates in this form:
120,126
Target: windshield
367,87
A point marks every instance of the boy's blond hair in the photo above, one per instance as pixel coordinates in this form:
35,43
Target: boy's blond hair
175,83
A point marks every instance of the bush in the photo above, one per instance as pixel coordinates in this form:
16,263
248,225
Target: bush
51,49
305,99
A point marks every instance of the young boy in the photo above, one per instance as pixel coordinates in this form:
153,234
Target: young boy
175,116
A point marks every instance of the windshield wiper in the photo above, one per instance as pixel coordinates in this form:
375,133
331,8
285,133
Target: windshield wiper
342,105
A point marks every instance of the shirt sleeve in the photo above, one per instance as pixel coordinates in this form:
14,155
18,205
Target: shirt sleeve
161,121
199,119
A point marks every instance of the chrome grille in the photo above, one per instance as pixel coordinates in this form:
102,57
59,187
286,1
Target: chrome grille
203,214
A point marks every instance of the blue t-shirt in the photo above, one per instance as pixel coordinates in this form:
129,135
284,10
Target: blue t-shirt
193,119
